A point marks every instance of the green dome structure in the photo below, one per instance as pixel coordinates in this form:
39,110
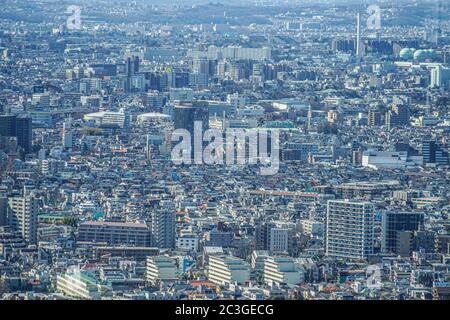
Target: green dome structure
420,55
407,53
423,54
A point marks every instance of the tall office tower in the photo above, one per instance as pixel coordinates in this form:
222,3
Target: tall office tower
440,77
357,157
349,229
358,35
131,69
19,127
132,65
397,116
310,115
374,118
434,153
185,116
22,215
67,135
148,148
163,228
177,79
222,68
429,148
24,133
8,126
394,225
200,65
3,210
237,71
258,72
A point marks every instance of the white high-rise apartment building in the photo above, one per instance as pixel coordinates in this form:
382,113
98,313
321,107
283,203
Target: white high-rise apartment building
22,215
349,229
440,77
67,135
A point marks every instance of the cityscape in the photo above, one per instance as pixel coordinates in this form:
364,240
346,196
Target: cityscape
225,150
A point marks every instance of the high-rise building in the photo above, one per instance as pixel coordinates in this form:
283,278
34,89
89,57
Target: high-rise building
19,127
163,228
359,50
177,79
429,151
3,210
67,135
132,65
185,116
349,229
343,45
434,153
24,133
374,118
200,65
440,77
8,125
393,223
397,116
22,216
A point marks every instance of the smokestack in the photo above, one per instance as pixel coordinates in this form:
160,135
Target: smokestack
358,34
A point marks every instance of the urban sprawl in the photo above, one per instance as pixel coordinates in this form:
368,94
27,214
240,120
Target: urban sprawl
93,205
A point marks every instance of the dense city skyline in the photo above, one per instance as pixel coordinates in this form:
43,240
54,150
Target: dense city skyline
203,150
